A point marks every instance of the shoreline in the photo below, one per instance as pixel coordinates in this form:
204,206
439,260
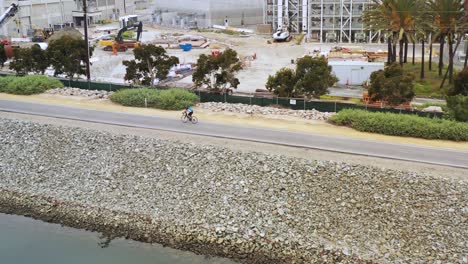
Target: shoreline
249,206
143,228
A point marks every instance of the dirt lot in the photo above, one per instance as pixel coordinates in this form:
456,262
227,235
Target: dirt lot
269,57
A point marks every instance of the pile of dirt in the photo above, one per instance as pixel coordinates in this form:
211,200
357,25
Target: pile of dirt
66,32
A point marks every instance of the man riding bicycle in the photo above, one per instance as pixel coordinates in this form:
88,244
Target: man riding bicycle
189,112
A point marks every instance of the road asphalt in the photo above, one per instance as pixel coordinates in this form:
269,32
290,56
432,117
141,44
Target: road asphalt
407,152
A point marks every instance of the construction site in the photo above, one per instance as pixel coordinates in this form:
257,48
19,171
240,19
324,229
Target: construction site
268,35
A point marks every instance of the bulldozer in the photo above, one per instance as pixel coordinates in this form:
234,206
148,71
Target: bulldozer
40,35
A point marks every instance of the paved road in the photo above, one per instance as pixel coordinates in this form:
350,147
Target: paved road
415,153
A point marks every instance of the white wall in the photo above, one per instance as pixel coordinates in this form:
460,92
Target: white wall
216,11
354,72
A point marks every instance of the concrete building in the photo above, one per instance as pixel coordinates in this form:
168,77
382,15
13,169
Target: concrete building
102,9
322,20
49,13
206,13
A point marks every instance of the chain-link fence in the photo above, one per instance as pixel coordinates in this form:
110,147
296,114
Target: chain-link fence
101,86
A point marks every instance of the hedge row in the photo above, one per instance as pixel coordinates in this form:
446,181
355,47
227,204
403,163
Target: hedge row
26,85
172,99
402,125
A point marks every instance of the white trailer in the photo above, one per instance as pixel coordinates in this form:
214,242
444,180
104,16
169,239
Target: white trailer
354,72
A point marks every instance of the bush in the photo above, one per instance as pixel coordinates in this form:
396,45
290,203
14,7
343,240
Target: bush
26,85
392,84
172,99
458,107
460,84
311,78
402,125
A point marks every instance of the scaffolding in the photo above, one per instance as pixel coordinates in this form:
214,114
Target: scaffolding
322,20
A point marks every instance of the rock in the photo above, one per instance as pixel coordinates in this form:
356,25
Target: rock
328,211
265,111
91,94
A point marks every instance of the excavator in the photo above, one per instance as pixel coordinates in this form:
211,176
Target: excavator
8,14
4,18
120,45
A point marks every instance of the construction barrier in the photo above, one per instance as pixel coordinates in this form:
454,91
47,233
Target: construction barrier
100,86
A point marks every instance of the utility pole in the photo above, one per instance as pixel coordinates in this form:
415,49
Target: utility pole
85,16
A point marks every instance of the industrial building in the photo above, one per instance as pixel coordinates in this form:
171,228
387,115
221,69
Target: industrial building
206,13
36,14
322,20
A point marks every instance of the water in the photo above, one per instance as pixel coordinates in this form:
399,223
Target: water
24,240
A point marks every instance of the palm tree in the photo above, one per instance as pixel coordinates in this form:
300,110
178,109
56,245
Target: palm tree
448,18
397,17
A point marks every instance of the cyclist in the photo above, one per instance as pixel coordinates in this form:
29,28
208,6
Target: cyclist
189,111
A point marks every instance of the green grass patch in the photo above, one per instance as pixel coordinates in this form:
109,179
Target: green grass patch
26,85
402,125
300,38
172,99
327,97
330,97
430,85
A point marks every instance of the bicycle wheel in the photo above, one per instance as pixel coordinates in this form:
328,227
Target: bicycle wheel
194,120
184,118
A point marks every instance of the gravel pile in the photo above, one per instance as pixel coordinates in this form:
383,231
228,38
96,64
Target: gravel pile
254,207
268,111
69,91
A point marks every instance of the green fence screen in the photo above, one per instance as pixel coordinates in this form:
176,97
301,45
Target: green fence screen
296,104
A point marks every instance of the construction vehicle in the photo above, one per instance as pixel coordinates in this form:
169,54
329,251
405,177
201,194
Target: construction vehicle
130,21
8,14
282,33
40,35
4,18
120,45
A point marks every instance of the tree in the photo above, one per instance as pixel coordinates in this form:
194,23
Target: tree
311,78
460,84
26,60
216,72
282,83
22,61
151,62
391,85
68,55
458,107
3,56
40,61
397,17
448,19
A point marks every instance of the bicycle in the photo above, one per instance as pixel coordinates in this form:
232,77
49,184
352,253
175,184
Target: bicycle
185,118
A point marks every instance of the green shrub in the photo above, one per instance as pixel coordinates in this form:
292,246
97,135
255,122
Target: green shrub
172,99
458,107
4,81
300,38
30,84
460,84
402,125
